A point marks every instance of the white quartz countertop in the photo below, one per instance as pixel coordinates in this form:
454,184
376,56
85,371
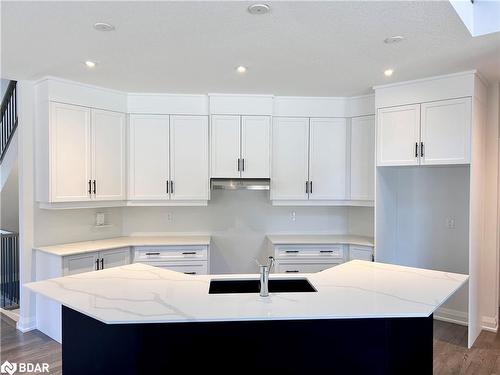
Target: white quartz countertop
139,293
117,242
319,239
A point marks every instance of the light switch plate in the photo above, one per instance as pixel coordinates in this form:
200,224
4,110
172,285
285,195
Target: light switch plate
99,218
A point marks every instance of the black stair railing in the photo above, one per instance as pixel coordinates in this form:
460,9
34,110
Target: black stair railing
8,113
9,261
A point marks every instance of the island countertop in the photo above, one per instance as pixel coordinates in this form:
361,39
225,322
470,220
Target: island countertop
139,293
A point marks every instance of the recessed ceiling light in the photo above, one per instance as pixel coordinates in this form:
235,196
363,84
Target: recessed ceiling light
90,64
394,39
103,26
388,72
241,69
259,9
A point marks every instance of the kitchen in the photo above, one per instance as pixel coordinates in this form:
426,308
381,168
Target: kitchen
202,186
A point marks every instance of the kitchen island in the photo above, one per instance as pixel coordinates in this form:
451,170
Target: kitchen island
360,317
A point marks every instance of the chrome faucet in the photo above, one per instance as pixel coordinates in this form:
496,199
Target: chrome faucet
264,277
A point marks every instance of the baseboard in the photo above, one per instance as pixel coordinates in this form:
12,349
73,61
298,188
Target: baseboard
26,324
490,323
451,316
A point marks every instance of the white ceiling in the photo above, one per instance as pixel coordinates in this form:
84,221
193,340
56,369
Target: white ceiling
299,48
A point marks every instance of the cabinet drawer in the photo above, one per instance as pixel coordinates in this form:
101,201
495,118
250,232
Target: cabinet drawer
303,267
170,253
189,268
361,253
326,251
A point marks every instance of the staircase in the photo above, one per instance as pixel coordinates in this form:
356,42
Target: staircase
9,249
8,122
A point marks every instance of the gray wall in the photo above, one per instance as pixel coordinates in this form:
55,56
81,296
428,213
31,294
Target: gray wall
9,202
237,220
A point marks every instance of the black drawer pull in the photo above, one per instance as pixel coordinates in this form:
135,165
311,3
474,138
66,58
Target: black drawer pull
152,253
292,271
190,273
326,251
189,253
291,251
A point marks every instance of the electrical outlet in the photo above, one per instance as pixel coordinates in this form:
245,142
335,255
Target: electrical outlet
450,223
293,216
170,216
100,218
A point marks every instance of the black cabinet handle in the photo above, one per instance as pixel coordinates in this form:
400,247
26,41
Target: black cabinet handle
416,149
167,186
102,263
326,251
291,271
307,187
239,170
189,253
422,149
171,187
97,264
90,186
94,187
190,273
152,253
291,251
243,165
310,187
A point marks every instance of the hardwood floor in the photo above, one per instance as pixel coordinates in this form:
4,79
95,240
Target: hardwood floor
451,355
31,346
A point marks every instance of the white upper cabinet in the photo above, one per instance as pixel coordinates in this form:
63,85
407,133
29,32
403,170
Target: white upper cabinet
362,158
446,131
255,146
70,153
430,133
328,158
290,158
108,154
87,154
149,157
189,158
398,135
240,146
225,146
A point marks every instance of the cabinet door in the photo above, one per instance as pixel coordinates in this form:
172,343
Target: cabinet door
108,154
79,263
255,146
398,133
362,158
189,157
446,131
328,159
225,146
290,155
114,258
70,161
149,157
361,253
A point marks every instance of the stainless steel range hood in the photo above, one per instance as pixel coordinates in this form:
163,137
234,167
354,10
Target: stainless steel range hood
239,183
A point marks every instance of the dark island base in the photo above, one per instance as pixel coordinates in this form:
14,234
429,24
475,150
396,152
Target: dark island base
329,346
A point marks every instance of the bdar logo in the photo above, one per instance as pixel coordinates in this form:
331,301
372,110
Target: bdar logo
8,368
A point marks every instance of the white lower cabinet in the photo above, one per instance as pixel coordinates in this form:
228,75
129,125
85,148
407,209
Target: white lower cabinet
285,267
191,260
316,258
360,252
73,264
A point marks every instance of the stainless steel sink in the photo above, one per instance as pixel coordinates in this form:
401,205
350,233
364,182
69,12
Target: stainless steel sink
299,285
